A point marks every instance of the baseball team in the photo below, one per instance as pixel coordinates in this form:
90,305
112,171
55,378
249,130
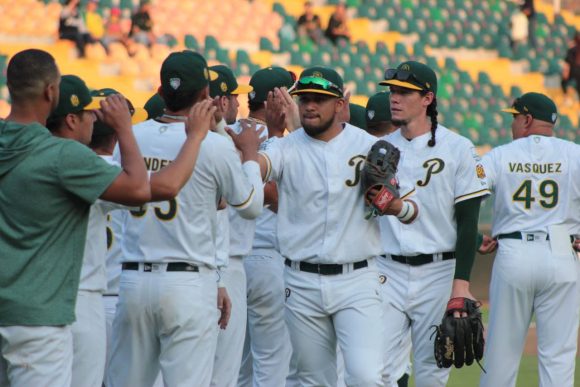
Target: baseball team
182,245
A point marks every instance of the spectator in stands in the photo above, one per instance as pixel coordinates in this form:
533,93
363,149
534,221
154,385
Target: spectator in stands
571,69
95,23
72,26
115,30
142,25
337,25
518,29
527,7
309,24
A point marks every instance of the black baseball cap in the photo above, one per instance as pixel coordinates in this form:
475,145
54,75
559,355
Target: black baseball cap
185,71
319,80
226,83
265,80
357,115
75,97
411,75
538,105
99,127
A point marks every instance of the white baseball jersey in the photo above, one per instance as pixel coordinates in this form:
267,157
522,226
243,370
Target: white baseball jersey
539,178
443,176
116,220
242,230
320,203
93,270
223,238
184,229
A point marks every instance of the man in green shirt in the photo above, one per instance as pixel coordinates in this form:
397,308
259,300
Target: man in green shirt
47,186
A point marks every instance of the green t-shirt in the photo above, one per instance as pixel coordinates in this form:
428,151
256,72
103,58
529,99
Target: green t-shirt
47,185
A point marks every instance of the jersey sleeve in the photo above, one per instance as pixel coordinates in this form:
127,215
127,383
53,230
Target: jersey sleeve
470,176
241,185
83,173
489,169
272,152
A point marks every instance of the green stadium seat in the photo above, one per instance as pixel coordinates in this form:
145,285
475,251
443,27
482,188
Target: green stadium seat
211,42
266,44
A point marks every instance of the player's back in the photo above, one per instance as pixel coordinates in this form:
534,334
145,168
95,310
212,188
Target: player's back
184,228
535,180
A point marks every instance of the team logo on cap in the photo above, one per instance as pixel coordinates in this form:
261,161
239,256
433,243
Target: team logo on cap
371,114
252,94
74,100
317,74
206,73
406,67
480,171
224,87
175,83
428,85
554,117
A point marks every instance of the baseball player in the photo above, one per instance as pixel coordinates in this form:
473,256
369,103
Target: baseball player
44,226
332,287
536,189
430,260
166,315
89,332
267,348
378,114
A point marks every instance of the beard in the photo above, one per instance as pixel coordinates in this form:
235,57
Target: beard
315,130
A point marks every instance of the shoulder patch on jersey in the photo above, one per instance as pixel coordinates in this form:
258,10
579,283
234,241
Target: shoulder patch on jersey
480,171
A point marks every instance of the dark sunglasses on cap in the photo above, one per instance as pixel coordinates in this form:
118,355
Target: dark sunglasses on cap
402,75
324,83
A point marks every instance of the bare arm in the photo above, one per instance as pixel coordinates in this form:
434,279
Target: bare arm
131,187
166,183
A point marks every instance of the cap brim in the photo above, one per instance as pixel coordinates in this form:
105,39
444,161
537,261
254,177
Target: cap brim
213,75
242,89
95,103
315,91
140,115
395,82
510,110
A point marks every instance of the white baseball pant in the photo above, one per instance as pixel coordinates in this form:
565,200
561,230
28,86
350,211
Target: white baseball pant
415,299
89,340
267,349
526,279
230,344
36,356
323,310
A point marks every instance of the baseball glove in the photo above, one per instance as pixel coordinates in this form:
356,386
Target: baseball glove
379,172
459,340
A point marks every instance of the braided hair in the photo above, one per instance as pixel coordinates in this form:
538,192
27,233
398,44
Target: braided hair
432,112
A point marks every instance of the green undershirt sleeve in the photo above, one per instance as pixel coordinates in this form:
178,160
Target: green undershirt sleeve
467,216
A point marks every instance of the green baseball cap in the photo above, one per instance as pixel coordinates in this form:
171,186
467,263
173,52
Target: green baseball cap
74,97
226,83
100,128
411,75
319,80
539,106
379,107
155,106
185,71
357,116
265,80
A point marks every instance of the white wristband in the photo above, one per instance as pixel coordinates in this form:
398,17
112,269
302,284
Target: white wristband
407,212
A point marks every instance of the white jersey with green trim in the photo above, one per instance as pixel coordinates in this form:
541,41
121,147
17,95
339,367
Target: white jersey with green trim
93,269
443,176
184,229
539,178
321,211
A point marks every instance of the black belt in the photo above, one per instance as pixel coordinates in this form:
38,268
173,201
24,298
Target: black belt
529,236
172,266
325,269
421,259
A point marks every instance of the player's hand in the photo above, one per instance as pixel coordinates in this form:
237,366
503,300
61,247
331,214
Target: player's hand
222,204
488,245
290,109
460,288
249,139
199,119
115,113
394,207
576,243
275,112
220,109
344,115
224,304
